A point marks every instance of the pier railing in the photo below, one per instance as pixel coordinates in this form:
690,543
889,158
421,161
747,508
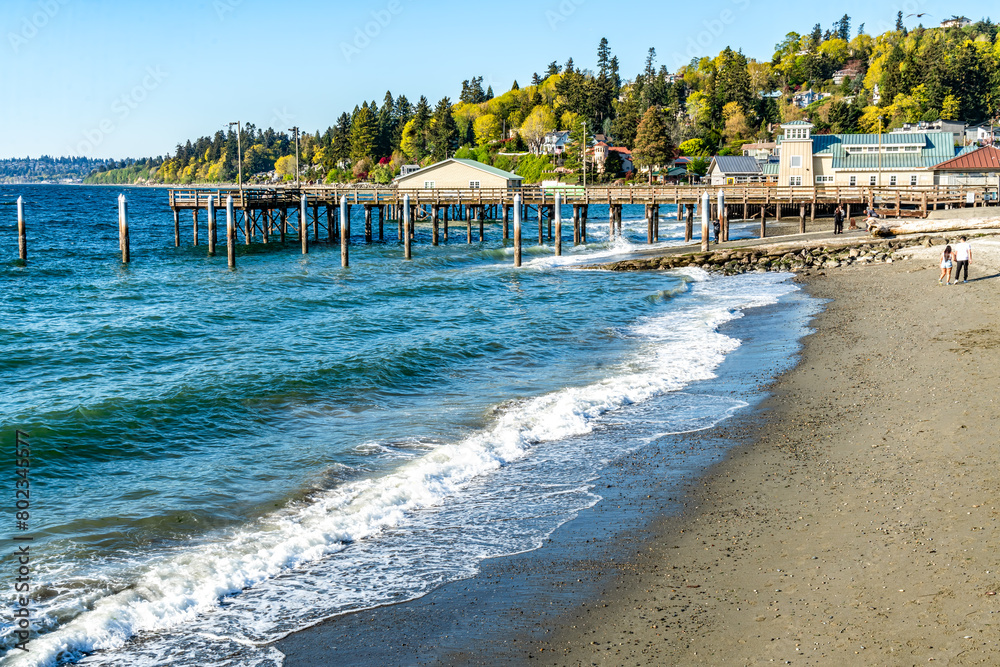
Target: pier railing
755,193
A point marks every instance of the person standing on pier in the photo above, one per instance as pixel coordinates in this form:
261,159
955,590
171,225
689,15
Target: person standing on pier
716,229
838,220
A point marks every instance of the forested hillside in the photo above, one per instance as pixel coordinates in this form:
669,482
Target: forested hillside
712,105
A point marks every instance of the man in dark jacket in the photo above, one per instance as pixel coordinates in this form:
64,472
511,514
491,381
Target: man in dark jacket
838,220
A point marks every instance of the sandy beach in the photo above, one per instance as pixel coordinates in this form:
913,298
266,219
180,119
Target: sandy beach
858,525
853,520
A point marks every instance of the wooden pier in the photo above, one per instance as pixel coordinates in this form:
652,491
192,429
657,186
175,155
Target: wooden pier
266,215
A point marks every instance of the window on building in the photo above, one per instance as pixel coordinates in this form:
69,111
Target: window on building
913,180
873,180
824,179
796,162
795,180
428,185
473,185
854,181
893,180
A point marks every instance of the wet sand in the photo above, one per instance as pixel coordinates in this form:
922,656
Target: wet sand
858,524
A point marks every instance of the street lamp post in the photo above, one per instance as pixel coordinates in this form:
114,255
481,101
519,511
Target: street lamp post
239,154
583,149
295,131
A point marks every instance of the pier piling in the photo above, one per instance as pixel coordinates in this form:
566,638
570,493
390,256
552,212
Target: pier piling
408,243
212,237
557,208
123,237
22,232
231,233
304,225
517,231
345,232
706,205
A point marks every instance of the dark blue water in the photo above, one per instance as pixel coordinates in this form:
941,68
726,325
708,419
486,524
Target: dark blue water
247,452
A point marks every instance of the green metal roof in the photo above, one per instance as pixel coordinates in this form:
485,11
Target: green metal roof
798,122
769,168
871,162
932,144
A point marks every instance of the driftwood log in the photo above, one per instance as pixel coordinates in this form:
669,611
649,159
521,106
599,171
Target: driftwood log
881,227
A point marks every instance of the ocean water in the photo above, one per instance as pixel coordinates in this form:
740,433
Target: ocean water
223,457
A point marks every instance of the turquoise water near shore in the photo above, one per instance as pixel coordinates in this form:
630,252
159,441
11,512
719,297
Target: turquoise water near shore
221,458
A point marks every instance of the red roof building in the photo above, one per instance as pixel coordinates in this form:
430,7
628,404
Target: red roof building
986,158
976,167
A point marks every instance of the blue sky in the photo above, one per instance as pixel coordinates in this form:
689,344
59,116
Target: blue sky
132,79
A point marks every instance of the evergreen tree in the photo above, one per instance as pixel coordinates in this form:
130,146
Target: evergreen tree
899,21
844,28
364,134
386,126
444,133
652,143
489,93
535,79
515,86
421,128
569,67
552,70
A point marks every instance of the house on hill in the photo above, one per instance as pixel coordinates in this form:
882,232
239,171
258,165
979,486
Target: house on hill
554,143
860,160
956,22
458,174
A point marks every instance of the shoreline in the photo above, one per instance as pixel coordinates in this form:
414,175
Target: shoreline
858,523
847,522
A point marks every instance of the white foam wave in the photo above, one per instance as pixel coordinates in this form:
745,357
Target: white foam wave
171,591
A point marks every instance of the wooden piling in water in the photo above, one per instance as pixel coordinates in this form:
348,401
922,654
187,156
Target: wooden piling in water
381,224
368,224
517,231
123,236
506,226
802,218
689,224
480,213
706,205
194,236
22,232
231,232
212,236
584,214
407,244
265,225
304,224
283,224
345,231
541,222
330,232
557,210
721,206
434,225
177,228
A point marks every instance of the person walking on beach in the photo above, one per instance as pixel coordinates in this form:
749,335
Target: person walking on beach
716,229
838,220
946,264
963,257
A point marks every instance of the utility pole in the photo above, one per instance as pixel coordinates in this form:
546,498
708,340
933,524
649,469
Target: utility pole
295,131
239,155
583,149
